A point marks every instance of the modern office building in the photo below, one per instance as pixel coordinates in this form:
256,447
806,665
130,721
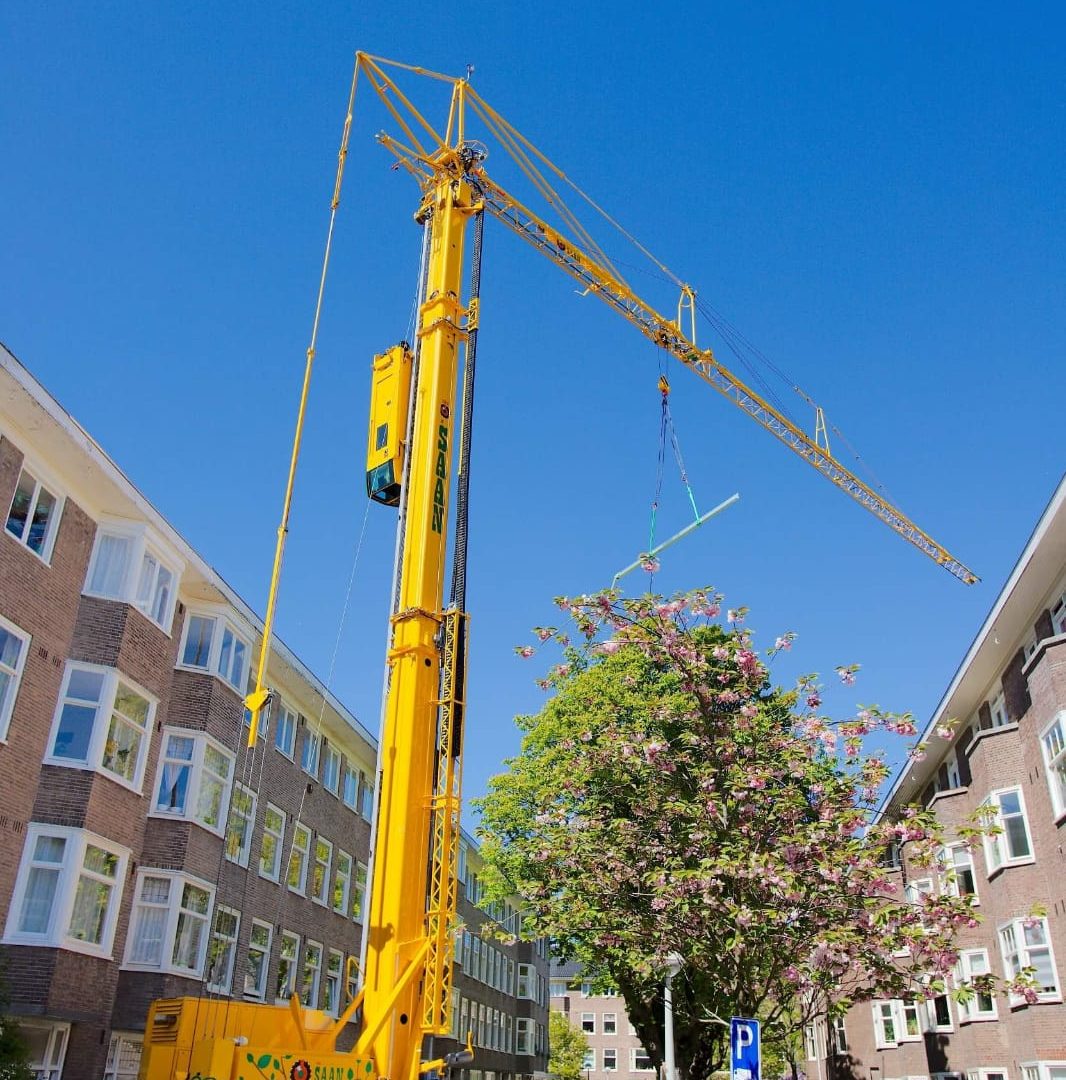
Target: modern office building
145,851
614,1050
1008,754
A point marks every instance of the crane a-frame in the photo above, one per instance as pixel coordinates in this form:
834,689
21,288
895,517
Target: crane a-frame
417,418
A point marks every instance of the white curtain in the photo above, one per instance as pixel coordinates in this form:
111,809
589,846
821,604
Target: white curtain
108,576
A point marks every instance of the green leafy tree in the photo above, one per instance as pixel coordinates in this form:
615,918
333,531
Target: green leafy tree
668,799
568,1047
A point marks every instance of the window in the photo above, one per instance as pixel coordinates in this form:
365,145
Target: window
895,1022
588,1020
285,984
526,983
918,891
810,1042
222,950
366,797
334,968
273,843
331,769
1044,1070
194,779
309,754
986,1074
47,1047
240,825
954,774
14,645
34,515
589,1063
350,790
959,879
312,973
359,892
320,883
610,1023
68,890
301,848
840,1035
342,882
523,1035
1053,742
639,1060
998,708
973,965
285,731
258,964
1058,615
168,927
129,564
124,1057
100,724
1025,944
212,644
1011,845
938,1014
610,1060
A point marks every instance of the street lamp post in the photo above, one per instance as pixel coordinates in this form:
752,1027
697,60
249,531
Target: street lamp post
673,966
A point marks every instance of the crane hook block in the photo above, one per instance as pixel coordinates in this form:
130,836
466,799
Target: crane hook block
664,385
390,398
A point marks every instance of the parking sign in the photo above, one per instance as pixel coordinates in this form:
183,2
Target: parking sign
744,1051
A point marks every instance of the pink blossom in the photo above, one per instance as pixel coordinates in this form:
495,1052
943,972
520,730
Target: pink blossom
525,651
814,700
944,731
747,662
651,565
720,652
610,647
783,643
733,615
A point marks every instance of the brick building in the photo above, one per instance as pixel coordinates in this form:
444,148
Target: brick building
145,851
614,1049
1008,697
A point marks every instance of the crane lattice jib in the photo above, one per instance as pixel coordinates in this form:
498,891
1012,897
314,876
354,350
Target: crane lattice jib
567,255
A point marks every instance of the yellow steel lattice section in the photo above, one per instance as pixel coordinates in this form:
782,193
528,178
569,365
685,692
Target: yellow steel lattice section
446,806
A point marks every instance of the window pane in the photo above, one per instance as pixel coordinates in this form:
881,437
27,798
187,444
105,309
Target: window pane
85,685
108,576
209,801
42,515
198,641
37,901
75,732
20,505
1017,837
90,910
173,787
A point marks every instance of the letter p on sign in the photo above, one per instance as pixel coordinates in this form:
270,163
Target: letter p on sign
744,1044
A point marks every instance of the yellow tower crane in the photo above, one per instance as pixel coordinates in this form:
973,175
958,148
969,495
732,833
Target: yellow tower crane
418,417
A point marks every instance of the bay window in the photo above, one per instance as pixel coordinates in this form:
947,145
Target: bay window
168,925
67,891
194,779
211,643
101,723
1025,944
1010,845
46,1046
130,563
895,1022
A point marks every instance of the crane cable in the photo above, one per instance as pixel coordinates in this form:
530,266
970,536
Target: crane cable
668,433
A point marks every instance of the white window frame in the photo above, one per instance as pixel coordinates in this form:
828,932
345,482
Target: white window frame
49,1067
279,846
223,985
1042,1070
987,1074
360,891
339,904
13,674
41,480
1023,950
587,1018
1053,748
334,980
309,994
949,881
897,1013
931,1022
175,911
214,661
68,872
971,1012
145,548
258,991
996,846
294,970
322,894
302,852
524,1035
240,855
285,731
118,1066
311,752
366,796
589,1063
104,711
350,789
199,776
1057,611
635,1053
331,769
610,1063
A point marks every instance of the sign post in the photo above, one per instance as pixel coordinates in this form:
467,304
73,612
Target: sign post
744,1049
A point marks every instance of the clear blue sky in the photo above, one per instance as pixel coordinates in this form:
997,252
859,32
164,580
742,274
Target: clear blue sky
872,193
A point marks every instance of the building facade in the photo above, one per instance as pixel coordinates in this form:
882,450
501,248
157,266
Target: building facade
145,850
1007,755
614,1049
